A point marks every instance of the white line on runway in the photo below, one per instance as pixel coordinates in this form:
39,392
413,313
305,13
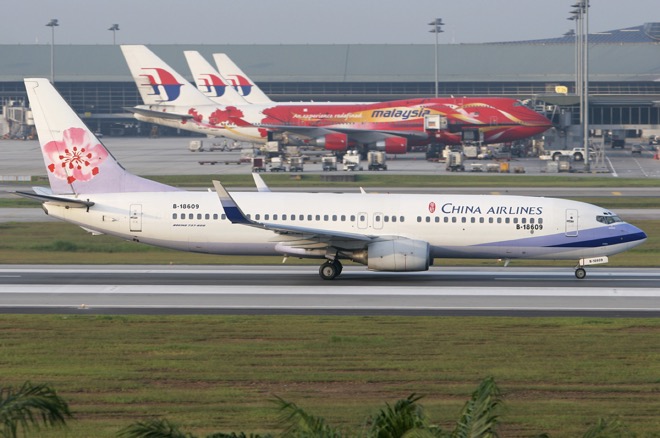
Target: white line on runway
338,290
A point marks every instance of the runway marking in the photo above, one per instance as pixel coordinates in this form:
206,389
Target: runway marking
440,291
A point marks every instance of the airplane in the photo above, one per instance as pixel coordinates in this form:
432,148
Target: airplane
385,232
390,126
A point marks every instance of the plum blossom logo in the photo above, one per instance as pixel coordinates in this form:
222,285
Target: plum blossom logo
76,158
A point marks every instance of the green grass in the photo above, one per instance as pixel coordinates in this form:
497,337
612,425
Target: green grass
220,373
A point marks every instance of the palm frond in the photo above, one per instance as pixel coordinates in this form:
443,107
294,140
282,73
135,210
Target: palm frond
478,417
154,428
30,407
298,423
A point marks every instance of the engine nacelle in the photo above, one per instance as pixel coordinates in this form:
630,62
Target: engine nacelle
399,255
333,142
393,145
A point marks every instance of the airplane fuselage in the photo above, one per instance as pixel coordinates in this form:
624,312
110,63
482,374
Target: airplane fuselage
497,119
454,226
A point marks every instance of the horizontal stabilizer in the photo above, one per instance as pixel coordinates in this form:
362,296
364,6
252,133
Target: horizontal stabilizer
57,200
158,114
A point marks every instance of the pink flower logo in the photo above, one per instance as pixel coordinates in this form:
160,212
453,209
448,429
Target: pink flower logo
77,157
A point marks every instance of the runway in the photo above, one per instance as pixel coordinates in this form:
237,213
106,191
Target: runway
298,290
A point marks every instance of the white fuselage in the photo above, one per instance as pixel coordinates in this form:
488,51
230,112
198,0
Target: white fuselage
462,226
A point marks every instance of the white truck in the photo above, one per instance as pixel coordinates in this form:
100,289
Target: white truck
377,160
576,154
277,164
329,162
352,161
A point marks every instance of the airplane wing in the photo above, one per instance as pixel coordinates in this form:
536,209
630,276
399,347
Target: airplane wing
160,114
301,237
361,135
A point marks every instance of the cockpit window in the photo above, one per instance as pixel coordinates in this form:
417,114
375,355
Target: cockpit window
608,219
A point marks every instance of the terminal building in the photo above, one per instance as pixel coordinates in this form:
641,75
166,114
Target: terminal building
624,77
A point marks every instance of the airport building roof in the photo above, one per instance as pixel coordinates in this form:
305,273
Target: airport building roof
631,54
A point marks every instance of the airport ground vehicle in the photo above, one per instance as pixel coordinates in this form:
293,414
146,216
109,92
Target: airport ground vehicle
618,143
455,162
376,160
329,162
577,154
351,161
277,164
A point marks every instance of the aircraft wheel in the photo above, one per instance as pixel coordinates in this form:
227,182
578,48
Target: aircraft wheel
580,273
328,270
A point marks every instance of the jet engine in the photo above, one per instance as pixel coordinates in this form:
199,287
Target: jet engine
393,145
395,255
333,142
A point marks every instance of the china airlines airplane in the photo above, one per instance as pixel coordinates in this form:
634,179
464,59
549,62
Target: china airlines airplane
390,126
385,232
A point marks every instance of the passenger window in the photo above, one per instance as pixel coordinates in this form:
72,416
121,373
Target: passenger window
393,218
173,215
446,219
531,220
507,220
473,219
257,216
318,217
499,220
515,220
266,216
419,218
215,216
352,218
191,216
309,217
428,219
275,217
540,220
464,219
481,220
301,217
207,216
453,219
283,217
325,217
437,219
523,220
343,218
223,217
334,218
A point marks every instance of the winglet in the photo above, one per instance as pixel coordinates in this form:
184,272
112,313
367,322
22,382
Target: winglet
232,210
260,183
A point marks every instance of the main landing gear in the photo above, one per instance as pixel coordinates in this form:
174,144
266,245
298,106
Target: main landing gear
330,269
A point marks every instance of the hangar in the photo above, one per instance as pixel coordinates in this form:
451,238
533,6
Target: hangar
624,76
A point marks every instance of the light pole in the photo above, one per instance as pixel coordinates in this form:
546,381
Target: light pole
437,28
581,13
114,28
53,23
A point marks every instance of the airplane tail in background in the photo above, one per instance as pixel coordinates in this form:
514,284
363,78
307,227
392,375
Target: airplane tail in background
210,82
243,84
158,83
76,161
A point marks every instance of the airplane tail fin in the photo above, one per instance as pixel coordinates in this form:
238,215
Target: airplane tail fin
209,81
158,83
241,82
76,161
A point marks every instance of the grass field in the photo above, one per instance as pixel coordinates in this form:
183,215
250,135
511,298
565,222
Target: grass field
220,373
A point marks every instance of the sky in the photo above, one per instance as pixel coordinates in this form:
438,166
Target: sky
308,21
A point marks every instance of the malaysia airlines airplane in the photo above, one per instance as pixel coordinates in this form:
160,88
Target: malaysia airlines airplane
385,232
391,126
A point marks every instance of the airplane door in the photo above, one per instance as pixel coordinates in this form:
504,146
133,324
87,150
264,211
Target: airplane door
571,223
362,220
378,221
135,219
